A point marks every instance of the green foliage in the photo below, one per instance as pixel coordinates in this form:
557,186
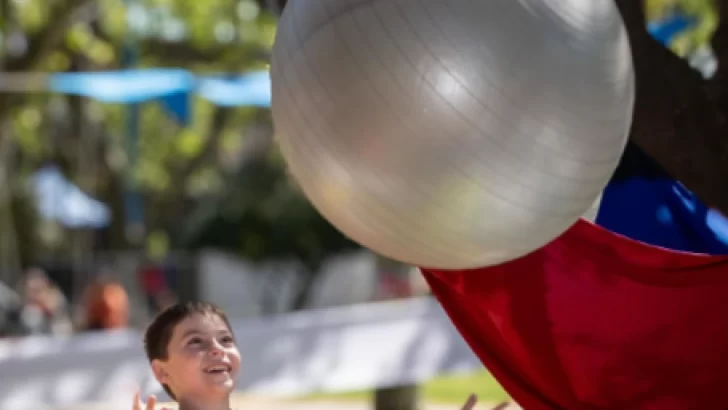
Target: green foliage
201,187
705,11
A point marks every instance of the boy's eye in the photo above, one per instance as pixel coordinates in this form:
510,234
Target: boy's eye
195,341
227,340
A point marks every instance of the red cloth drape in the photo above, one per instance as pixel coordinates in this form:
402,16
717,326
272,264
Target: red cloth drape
595,320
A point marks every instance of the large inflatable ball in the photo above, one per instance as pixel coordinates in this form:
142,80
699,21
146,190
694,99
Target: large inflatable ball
452,133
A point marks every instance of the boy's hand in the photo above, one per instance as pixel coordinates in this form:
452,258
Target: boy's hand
139,405
470,404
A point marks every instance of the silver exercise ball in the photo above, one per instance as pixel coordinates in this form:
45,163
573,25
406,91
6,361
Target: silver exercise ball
452,133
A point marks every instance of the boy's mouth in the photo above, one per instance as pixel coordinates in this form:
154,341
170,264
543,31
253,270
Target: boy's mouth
218,369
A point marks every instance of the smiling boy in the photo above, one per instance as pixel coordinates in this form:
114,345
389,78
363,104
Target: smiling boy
193,354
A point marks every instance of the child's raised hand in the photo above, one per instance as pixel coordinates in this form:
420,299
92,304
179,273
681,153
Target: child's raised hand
139,405
470,404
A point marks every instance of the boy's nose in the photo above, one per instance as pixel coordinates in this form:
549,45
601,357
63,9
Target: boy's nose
215,349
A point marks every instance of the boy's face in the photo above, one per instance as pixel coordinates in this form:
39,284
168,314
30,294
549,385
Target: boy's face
202,358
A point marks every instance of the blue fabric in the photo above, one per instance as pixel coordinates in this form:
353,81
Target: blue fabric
179,107
124,87
251,89
663,213
172,86
665,30
644,203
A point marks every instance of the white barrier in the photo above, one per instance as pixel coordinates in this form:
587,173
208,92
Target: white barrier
350,348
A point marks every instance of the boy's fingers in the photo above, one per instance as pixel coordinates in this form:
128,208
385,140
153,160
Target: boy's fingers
151,402
470,404
137,402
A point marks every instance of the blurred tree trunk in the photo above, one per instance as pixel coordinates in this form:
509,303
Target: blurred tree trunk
397,398
390,274
9,248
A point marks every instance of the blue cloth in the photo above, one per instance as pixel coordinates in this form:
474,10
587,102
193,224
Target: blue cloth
172,88
251,89
642,202
179,106
124,87
173,85
663,213
667,29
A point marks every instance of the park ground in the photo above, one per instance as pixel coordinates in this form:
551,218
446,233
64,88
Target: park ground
445,393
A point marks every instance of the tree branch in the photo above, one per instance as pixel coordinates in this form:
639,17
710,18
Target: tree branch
676,119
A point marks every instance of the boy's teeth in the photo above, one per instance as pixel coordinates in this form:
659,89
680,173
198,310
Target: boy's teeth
217,369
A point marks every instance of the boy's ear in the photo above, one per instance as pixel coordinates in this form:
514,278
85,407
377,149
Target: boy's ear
160,371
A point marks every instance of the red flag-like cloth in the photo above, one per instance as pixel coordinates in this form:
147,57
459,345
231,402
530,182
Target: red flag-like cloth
595,320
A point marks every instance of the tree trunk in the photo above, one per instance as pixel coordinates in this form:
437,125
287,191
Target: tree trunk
397,398
391,272
10,249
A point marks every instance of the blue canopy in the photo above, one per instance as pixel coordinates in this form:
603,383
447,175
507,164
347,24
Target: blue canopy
252,89
126,87
170,86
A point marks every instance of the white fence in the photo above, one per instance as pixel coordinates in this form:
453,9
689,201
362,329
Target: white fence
351,348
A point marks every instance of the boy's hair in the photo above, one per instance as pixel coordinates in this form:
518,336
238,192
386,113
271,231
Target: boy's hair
159,333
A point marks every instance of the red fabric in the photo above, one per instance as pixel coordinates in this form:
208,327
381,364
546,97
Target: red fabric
595,320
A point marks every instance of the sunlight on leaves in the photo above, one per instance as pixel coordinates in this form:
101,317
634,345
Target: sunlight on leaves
189,143
79,37
153,175
32,14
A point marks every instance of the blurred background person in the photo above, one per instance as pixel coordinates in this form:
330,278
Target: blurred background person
106,305
44,309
